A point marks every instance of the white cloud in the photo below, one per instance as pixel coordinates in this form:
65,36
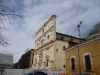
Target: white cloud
69,14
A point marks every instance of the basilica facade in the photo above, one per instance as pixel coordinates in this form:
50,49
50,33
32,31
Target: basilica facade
49,45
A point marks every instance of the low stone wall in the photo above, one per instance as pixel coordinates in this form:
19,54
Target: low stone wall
24,71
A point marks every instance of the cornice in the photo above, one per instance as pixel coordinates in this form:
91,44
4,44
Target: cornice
84,43
44,33
44,45
69,36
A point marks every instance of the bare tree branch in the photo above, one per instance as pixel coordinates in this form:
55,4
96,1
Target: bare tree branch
6,13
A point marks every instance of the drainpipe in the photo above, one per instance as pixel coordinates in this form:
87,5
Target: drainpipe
79,61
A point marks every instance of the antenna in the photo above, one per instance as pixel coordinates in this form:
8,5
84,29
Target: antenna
78,28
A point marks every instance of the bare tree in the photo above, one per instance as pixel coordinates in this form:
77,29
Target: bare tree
6,13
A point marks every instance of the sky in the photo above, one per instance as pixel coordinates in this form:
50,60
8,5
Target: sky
22,32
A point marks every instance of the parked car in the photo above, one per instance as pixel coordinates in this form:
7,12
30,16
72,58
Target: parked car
36,72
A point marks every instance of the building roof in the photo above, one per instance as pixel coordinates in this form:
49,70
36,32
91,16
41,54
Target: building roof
69,36
84,43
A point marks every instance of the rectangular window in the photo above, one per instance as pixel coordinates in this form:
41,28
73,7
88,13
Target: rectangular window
88,62
47,62
72,63
56,50
64,47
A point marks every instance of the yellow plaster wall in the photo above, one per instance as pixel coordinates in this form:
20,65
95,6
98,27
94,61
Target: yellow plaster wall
94,49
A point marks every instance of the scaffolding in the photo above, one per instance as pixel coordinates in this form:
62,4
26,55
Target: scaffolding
6,59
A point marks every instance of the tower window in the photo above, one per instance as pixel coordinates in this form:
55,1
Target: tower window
56,50
43,30
63,47
62,38
47,62
48,37
71,40
42,42
37,44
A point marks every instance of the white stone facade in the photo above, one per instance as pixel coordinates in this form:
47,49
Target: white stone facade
44,45
48,53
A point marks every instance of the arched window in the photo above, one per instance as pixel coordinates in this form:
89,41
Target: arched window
43,30
37,44
62,38
42,41
48,37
